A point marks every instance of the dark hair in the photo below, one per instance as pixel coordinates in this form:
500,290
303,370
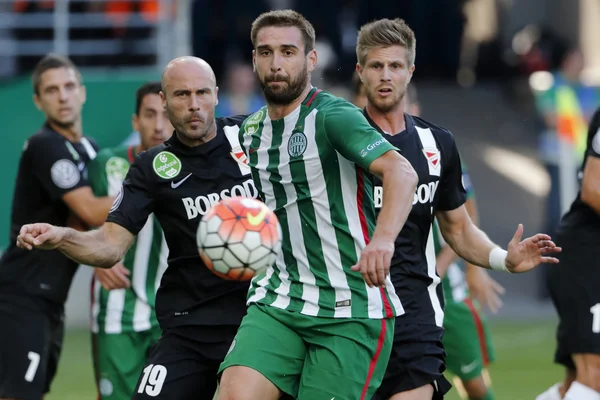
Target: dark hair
143,91
285,18
51,61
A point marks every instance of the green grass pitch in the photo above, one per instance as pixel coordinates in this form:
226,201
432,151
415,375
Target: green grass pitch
523,368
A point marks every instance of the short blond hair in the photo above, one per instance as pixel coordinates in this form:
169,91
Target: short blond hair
384,33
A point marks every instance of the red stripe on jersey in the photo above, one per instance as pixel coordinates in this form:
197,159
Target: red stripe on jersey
360,182
480,331
313,97
130,154
375,358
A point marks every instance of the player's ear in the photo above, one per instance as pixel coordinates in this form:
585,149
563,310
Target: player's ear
37,102
216,95
359,71
410,72
312,60
83,94
135,123
163,100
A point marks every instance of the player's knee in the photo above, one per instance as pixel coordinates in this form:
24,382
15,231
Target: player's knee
421,393
244,383
588,370
476,388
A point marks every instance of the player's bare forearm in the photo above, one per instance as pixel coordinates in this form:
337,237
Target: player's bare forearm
101,248
464,237
90,209
399,181
445,257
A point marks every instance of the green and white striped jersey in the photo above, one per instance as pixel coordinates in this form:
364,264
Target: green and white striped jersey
310,168
127,310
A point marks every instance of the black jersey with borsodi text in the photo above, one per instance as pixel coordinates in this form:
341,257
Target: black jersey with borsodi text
179,184
432,152
50,167
581,216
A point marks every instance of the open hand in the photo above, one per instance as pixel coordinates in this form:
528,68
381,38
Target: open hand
113,278
529,253
484,288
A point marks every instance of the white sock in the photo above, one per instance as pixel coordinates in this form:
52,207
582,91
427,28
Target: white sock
577,391
551,394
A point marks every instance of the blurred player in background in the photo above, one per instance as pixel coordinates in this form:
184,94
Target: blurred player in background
198,312
386,52
575,286
124,323
52,186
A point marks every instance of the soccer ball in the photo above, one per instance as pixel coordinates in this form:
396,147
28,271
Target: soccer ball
238,238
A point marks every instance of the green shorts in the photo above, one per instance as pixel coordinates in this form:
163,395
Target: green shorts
466,339
119,360
312,358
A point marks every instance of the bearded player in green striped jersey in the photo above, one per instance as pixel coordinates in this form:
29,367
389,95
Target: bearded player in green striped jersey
320,321
124,324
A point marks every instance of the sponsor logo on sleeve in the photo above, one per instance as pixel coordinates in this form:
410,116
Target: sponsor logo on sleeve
65,174
166,165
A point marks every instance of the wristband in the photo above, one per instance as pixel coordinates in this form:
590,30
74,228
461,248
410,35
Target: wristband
497,259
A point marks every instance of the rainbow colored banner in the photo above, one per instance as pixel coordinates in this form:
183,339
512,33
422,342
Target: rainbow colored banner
571,124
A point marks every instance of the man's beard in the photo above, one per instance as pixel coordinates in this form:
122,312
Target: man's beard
287,94
386,105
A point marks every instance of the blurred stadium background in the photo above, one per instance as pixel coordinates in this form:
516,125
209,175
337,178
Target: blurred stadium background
515,81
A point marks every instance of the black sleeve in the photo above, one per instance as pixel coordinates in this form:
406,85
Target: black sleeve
134,202
452,192
593,147
56,167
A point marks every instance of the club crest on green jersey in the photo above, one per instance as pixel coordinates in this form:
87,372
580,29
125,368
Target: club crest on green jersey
116,168
166,165
297,144
251,125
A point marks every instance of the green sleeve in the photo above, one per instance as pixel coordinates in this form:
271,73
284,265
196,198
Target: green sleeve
466,181
97,174
352,136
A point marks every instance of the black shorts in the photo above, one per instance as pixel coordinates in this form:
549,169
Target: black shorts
574,286
183,365
417,359
31,338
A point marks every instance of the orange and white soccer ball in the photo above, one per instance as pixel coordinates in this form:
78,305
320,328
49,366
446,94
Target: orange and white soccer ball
238,238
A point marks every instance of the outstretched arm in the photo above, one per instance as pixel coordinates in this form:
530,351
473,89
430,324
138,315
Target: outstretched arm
103,247
473,245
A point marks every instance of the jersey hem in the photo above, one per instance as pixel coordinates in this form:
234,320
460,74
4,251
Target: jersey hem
294,309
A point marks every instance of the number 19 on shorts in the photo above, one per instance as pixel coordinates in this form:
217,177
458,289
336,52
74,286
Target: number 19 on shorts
153,379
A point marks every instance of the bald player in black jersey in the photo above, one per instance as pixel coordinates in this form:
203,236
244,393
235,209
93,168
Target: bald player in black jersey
386,53
178,181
